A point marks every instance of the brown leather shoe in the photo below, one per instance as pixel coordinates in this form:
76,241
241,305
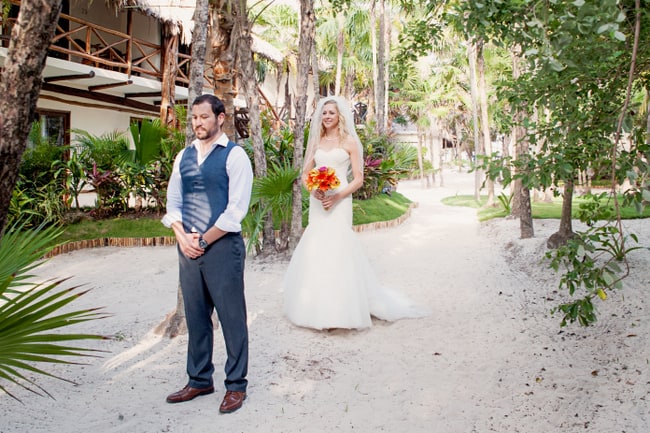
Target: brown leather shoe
232,401
188,393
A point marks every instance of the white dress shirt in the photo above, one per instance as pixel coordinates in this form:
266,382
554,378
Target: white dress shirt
240,182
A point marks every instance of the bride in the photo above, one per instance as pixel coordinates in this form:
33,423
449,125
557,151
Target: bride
329,282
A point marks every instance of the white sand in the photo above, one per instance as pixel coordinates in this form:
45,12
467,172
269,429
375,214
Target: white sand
490,359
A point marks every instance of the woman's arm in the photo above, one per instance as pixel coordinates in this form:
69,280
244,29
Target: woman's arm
351,147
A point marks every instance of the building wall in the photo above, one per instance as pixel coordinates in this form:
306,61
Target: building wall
92,120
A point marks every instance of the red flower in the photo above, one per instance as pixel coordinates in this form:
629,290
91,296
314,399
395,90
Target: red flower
323,178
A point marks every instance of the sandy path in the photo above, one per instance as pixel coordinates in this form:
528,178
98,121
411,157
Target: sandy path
489,359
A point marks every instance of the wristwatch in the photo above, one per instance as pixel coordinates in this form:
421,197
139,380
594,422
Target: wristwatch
202,242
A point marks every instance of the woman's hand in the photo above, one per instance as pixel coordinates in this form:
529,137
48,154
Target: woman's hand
319,194
330,200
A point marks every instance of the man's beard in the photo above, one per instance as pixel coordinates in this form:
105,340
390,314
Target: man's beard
203,133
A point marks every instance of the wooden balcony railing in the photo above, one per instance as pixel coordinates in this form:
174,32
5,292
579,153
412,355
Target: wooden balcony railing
81,41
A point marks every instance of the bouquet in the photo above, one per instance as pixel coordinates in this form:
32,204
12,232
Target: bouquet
323,178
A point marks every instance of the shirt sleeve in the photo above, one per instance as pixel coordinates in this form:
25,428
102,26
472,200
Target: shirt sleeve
240,175
174,194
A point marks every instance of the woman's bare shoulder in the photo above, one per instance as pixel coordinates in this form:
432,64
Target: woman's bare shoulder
349,144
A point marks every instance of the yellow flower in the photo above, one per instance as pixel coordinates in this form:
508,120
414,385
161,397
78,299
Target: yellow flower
323,178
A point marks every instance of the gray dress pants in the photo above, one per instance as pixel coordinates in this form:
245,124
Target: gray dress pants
216,280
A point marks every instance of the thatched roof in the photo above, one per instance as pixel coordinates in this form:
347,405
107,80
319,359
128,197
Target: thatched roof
179,14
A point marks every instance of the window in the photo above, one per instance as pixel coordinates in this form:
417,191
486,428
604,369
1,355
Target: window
54,126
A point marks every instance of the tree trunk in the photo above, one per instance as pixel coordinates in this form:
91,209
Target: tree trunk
174,324
197,63
340,48
486,148
387,38
420,157
526,228
307,33
372,99
478,174
224,62
168,85
521,206
249,85
565,232
381,70
20,86
315,74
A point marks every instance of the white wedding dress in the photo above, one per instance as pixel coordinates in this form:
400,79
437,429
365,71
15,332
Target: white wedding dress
329,282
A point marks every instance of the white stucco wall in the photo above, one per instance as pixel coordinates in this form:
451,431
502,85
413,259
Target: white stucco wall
92,120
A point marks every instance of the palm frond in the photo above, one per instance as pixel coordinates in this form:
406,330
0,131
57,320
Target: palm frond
29,311
32,245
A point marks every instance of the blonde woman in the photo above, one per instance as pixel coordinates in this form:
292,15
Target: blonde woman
329,282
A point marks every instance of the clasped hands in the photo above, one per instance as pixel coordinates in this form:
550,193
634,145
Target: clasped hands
189,245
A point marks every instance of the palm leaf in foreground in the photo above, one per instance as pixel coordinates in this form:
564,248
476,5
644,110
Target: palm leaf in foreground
28,314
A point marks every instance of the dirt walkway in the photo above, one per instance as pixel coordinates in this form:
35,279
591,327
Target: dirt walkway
489,359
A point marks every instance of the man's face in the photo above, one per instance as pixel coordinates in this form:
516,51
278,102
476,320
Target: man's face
204,123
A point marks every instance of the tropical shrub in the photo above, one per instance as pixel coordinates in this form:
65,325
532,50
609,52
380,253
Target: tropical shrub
593,261
272,194
385,163
38,194
72,173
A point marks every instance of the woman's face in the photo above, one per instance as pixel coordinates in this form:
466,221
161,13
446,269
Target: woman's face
330,115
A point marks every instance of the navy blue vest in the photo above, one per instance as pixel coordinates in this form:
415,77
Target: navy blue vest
205,187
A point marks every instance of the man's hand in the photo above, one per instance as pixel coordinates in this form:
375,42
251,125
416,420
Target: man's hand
188,242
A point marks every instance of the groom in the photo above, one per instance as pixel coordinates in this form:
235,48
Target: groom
207,198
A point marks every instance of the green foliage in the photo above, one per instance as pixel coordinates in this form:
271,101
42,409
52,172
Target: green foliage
71,171
36,204
161,168
593,261
385,162
35,167
106,150
22,205
592,264
38,196
105,153
147,138
506,202
29,312
271,195
584,49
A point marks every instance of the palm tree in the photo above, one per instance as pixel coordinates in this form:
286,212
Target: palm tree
343,40
305,47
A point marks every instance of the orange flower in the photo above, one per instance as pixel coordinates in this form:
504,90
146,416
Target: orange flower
323,178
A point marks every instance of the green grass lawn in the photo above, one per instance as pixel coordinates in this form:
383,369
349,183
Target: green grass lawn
142,227
379,208
382,207
541,210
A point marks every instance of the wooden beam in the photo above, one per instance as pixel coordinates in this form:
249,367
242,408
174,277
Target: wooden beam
90,74
110,99
109,86
142,95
